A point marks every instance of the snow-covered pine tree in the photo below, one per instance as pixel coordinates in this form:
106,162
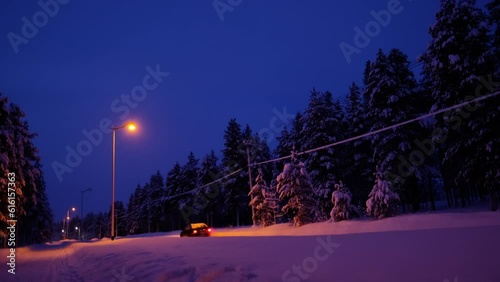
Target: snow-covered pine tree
342,207
38,219
392,93
494,13
340,152
367,81
132,215
89,222
173,186
456,63
382,202
157,186
188,181
145,215
235,188
358,161
19,155
322,126
284,144
295,188
209,171
263,212
272,199
258,150
410,103
291,138
493,182
103,225
297,134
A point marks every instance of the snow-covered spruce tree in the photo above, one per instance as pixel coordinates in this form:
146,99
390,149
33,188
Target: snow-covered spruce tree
37,223
103,225
132,215
284,144
358,161
208,172
459,64
89,224
172,184
258,152
145,209
18,155
392,96
494,13
342,207
235,188
157,205
295,188
323,126
382,202
187,183
263,213
291,137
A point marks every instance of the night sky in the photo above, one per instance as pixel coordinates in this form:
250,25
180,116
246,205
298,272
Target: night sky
255,60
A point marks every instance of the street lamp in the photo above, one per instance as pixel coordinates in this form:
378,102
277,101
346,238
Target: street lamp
67,221
76,228
131,127
81,211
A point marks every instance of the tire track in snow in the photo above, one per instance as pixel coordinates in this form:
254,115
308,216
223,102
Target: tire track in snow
68,272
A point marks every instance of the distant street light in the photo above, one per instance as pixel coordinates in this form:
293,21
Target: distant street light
81,212
76,228
67,221
131,127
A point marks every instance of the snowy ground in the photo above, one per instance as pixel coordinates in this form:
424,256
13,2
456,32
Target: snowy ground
454,247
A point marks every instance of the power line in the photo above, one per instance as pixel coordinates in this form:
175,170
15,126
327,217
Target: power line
343,141
387,128
412,65
206,185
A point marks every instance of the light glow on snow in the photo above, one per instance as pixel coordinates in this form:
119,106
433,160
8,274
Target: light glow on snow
419,247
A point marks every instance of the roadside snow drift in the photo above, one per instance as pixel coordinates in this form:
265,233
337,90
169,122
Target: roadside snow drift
454,247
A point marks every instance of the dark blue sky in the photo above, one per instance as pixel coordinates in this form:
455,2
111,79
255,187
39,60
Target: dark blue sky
262,57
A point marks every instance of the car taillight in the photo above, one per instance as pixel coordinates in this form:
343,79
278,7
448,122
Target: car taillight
209,229
195,231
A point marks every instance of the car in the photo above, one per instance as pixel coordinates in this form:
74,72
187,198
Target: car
196,230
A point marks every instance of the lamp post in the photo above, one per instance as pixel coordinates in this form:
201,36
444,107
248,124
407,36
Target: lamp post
67,222
81,212
130,127
76,228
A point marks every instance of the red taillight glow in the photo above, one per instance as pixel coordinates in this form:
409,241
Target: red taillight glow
209,229
195,231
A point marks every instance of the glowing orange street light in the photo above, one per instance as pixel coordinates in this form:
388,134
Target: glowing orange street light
131,127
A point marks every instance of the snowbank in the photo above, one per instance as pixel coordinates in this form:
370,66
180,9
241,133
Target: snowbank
424,247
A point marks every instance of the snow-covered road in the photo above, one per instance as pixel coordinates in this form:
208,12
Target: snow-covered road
436,247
